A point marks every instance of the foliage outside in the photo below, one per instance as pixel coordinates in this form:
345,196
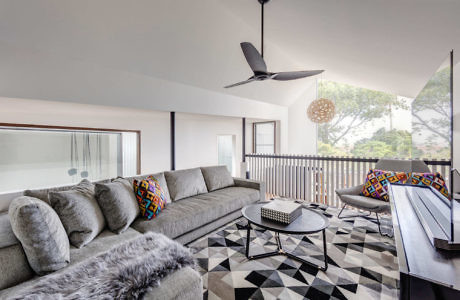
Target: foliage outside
365,119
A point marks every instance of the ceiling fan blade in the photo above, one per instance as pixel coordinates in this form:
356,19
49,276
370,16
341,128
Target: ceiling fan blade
239,83
253,57
295,75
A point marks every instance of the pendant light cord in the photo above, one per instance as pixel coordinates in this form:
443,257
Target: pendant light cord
262,31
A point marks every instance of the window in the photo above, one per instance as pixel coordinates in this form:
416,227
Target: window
264,137
371,123
33,157
226,151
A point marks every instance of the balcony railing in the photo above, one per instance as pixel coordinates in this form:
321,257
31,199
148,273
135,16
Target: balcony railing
315,178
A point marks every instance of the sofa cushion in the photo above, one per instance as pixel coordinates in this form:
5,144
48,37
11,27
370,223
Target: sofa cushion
7,237
188,214
217,177
118,203
161,180
79,212
103,242
43,194
185,183
150,197
14,267
38,228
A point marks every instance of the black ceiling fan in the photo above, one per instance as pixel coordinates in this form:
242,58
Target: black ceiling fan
258,66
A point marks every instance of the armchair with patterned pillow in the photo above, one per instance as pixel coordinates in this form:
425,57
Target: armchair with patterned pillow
353,196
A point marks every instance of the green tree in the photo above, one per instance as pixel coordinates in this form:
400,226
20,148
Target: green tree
400,142
354,108
431,112
372,148
329,150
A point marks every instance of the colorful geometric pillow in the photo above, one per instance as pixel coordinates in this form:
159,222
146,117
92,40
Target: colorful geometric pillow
429,179
150,197
376,185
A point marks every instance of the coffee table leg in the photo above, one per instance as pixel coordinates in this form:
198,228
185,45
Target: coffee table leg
248,238
281,251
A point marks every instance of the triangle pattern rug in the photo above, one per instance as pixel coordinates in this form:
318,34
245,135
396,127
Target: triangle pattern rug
362,263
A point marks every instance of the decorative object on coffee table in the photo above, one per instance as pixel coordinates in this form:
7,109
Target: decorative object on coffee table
281,211
308,222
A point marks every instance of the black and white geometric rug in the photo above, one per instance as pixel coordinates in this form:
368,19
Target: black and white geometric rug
362,263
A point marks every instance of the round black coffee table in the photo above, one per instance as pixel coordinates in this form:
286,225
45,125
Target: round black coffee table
308,222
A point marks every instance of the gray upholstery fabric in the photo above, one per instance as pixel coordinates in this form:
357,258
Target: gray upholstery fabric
366,203
355,190
79,212
103,242
161,179
43,194
22,271
38,228
184,284
118,203
207,228
402,165
252,184
7,237
14,267
188,214
217,177
185,183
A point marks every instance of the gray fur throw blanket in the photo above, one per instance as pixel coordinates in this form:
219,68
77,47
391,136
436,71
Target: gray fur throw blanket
126,271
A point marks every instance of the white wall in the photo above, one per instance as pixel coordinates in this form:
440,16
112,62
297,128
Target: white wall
302,132
196,139
154,126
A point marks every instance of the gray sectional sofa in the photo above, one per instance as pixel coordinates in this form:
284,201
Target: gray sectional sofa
192,211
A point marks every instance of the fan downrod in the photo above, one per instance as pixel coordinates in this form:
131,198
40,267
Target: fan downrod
263,1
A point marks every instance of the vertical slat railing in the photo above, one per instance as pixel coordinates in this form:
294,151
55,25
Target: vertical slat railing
315,178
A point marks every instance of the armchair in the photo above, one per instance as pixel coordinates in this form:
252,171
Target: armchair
352,196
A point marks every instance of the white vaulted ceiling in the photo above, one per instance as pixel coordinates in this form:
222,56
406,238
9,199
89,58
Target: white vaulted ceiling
392,45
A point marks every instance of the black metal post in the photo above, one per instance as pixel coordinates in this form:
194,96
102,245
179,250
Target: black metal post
243,153
262,31
173,140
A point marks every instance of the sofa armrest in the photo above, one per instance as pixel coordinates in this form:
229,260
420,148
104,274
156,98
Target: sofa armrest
355,190
252,184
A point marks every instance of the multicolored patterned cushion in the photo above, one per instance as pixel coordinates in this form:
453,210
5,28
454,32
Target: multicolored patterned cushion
150,197
430,179
376,185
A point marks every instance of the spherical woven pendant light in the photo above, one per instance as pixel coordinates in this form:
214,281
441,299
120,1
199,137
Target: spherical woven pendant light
321,111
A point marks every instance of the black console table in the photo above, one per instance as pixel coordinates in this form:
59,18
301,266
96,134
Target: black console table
426,272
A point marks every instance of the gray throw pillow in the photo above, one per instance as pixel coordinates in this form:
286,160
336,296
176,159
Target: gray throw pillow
79,212
41,233
217,177
118,203
185,183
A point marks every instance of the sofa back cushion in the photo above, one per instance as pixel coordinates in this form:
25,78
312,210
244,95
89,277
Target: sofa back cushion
185,183
42,236
217,177
79,212
118,203
14,267
43,194
160,177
